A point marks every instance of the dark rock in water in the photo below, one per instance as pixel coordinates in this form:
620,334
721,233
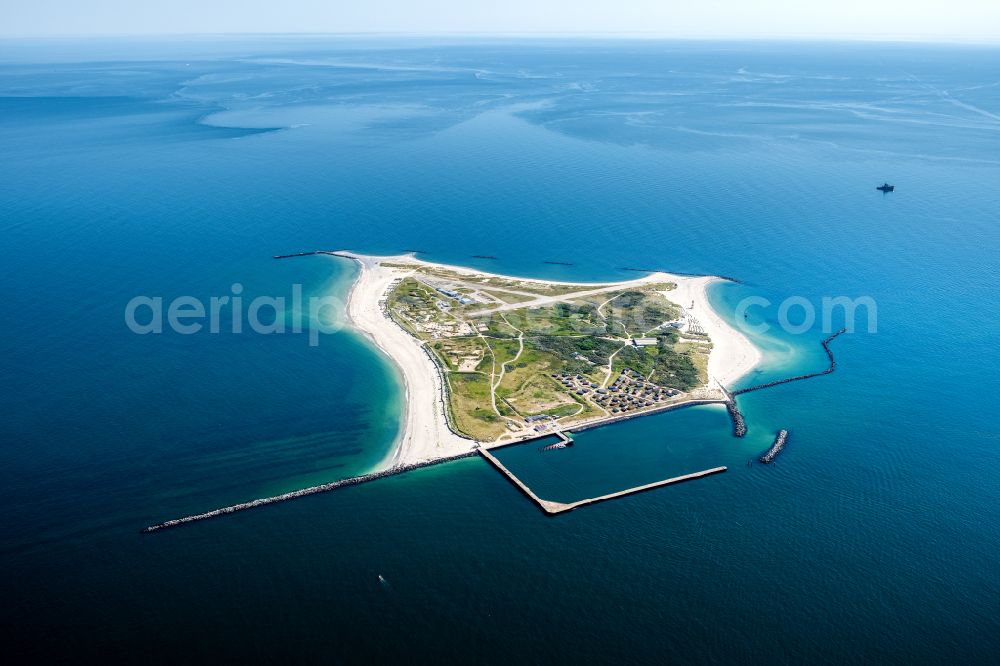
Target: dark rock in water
776,448
739,425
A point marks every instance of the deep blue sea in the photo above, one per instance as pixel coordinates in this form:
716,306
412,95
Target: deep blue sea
178,168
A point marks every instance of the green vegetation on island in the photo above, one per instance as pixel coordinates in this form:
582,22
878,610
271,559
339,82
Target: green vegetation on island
517,354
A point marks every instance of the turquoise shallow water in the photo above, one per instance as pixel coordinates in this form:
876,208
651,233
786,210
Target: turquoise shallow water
180,168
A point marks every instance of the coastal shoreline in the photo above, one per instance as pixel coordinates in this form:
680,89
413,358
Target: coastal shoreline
733,354
425,433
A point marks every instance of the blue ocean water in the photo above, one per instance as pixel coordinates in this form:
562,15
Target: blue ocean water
180,167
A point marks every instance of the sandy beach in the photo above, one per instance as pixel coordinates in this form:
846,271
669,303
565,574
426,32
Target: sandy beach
425,434
733,355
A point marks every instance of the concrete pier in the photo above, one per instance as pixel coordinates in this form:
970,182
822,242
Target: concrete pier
638,489
779,444
553,508
545,505
564,437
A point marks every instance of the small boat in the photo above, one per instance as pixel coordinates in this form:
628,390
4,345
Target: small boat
557,445
885,187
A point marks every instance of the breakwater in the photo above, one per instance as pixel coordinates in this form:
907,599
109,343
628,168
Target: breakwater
779,444
638,489
829,355
548,507
553,508
313,490
332,253
299,254
739,424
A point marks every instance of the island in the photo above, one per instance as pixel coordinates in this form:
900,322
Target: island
487,359
491,360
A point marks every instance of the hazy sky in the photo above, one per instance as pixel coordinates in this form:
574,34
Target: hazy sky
934,19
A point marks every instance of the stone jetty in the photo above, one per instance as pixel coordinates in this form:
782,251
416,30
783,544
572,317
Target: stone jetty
308,254
739,425
779,444
831,368
313,490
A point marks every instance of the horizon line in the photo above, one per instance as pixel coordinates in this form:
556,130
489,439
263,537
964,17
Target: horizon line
902,38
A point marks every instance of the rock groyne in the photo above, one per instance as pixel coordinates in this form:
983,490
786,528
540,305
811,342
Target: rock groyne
313,490
332,253
776,448
829,355
739,424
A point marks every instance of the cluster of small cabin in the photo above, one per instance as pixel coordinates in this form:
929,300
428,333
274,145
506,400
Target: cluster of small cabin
631,391
576,383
